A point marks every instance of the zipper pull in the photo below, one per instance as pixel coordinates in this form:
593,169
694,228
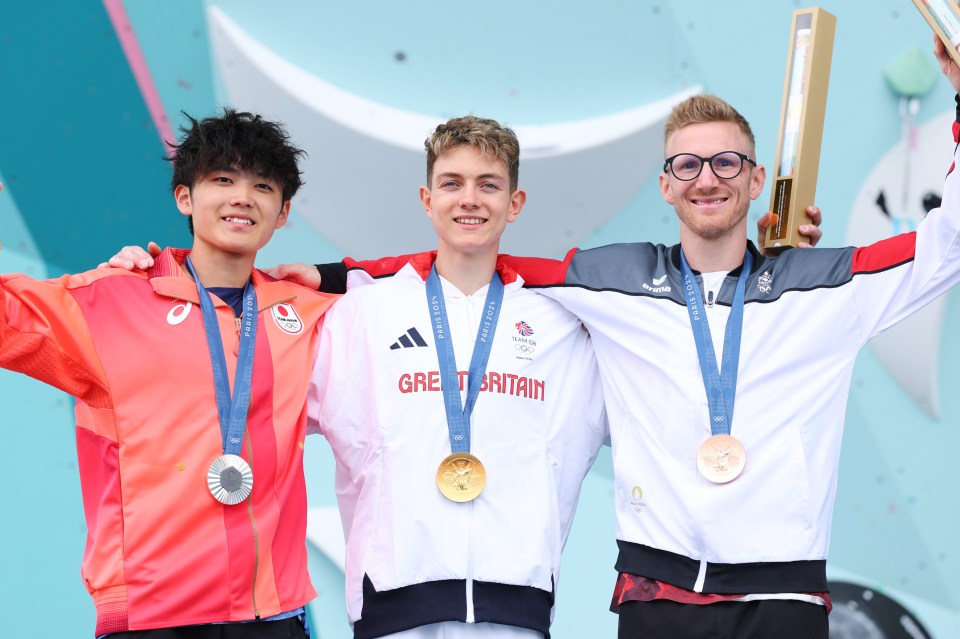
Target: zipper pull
709,299
236,345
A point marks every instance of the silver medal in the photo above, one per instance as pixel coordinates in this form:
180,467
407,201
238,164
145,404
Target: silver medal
230,479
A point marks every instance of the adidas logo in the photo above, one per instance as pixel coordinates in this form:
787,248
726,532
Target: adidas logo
410,339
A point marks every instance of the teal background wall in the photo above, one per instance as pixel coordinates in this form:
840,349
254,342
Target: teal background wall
80,163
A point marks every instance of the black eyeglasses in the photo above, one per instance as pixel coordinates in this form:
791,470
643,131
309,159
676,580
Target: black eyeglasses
725,165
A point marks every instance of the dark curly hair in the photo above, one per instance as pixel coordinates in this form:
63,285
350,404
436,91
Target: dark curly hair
235,140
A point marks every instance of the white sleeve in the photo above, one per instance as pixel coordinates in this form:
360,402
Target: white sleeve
910,270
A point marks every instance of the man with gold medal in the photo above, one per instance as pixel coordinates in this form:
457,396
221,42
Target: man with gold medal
463,411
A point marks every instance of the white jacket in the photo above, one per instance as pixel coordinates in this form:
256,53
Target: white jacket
807,315
413,556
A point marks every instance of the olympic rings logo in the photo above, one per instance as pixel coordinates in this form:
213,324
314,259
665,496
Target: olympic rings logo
526,349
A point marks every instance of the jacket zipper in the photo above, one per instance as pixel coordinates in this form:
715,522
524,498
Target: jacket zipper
701,481
702,572
253,519
471,546
471,512
256,538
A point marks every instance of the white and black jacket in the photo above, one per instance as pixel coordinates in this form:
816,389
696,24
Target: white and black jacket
807,315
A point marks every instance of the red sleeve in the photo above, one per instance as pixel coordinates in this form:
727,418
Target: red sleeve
540,271
382,267
43,334
885,254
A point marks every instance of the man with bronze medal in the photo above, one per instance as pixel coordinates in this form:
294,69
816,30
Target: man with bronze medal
179,533
738,473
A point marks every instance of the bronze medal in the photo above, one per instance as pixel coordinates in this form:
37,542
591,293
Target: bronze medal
721,458
461,477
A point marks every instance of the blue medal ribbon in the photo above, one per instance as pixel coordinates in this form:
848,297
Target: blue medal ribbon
720,385
232,410
458,414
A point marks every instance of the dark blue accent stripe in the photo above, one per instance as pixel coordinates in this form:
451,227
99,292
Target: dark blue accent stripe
520,606
389,611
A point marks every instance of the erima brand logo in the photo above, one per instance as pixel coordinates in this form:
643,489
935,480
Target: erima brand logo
410,339
657,285
636,496
179,313
287,319
765,282
524,346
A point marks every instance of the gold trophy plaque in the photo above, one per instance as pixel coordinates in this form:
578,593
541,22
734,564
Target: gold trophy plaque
801,125
943,16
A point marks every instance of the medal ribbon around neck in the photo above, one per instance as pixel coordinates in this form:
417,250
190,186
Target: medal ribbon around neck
232,410
461,476
721,385
458,413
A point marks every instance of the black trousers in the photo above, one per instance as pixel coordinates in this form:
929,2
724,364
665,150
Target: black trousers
768,619
291,628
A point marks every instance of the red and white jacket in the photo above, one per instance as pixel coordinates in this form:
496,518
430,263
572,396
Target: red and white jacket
413,556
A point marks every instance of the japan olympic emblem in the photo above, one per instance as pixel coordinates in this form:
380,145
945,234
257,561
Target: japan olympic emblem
287,319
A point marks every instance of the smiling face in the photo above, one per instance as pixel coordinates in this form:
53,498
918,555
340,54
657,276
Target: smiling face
712,208
234,212
470,202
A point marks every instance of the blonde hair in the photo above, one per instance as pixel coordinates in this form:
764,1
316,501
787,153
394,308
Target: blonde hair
489,137
703,109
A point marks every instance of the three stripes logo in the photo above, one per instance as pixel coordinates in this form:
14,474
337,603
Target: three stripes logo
410,339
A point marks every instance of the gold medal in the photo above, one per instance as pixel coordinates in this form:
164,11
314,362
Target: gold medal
461,477
721,458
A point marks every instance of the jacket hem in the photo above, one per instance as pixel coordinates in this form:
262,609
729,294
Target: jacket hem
389,611
760,577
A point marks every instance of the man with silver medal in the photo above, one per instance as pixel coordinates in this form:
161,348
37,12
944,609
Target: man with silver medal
180,537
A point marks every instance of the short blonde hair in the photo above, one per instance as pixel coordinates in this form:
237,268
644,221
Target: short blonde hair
487,136
703,109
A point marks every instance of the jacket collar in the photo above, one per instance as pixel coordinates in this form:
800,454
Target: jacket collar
421,263
757,259
170,280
